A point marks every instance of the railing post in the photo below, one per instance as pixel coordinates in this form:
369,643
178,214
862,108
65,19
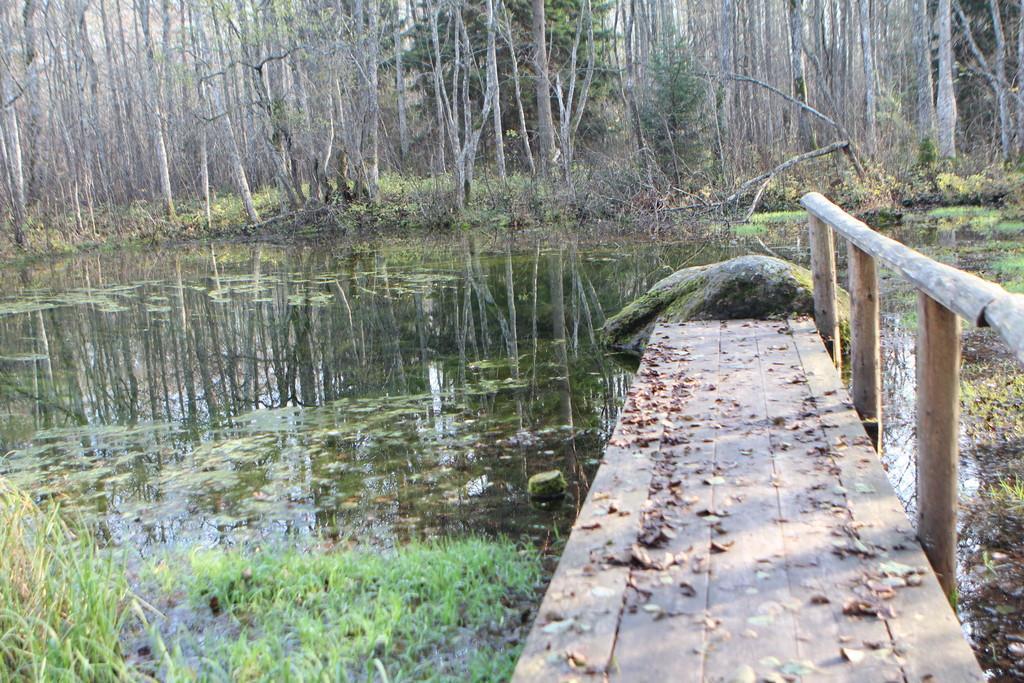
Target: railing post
938,427
865,354
823,269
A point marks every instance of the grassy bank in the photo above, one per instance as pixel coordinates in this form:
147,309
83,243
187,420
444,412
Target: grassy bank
613,198
442,611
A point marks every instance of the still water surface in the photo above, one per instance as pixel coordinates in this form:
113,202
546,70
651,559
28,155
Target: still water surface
221,394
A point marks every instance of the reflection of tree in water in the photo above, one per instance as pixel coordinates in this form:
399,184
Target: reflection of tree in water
259,390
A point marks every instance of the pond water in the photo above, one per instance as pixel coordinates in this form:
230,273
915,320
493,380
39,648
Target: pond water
226,393
216,395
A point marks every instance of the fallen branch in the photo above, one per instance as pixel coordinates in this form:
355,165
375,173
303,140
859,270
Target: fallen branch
789,98
767,176
840,129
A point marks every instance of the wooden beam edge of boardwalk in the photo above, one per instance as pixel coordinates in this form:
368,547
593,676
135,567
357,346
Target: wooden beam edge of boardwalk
741,527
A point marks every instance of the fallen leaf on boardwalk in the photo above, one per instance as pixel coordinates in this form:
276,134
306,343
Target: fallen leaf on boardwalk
656,611
715,481
590,526
797,668
744,674
896,569
865,608
717,547
820,599
576,658
641,558
687,590
851,655
558,627
881,590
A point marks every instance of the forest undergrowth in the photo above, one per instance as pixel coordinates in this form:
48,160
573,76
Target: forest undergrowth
606,200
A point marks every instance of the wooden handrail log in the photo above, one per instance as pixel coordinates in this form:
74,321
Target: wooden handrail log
1006,315
965,294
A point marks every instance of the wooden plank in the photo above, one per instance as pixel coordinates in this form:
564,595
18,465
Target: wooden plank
824,573
925,631
938,428
749,597
823,272
664,619
575,629
966,294
865,351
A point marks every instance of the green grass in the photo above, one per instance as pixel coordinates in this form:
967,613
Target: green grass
425,612
963,212
62,604
778,217
421,613
1008,227
992,393
748,229
1010,272
1011,265
1008,493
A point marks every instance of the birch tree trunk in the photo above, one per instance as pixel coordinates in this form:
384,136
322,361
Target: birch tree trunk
1020,78
153,89
796,57
403,124
725,64
922,28
1001,85
492,77
545,121
946,104
870,77
16,174
524,133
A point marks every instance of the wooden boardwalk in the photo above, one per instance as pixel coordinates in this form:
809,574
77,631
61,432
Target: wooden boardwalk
741,528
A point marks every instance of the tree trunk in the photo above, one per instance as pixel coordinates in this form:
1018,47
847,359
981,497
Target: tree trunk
1020,78
922,31
870,78
796,56
403,125
524,132
16,175
1001,86
153,90
492,77
946,105
545,121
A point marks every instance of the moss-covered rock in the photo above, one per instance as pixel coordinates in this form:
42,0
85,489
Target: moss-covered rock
759,287
547,485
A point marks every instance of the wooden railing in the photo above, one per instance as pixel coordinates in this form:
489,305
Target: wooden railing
944,295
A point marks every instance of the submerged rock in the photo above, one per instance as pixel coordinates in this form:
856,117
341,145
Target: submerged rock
745,287
547,485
